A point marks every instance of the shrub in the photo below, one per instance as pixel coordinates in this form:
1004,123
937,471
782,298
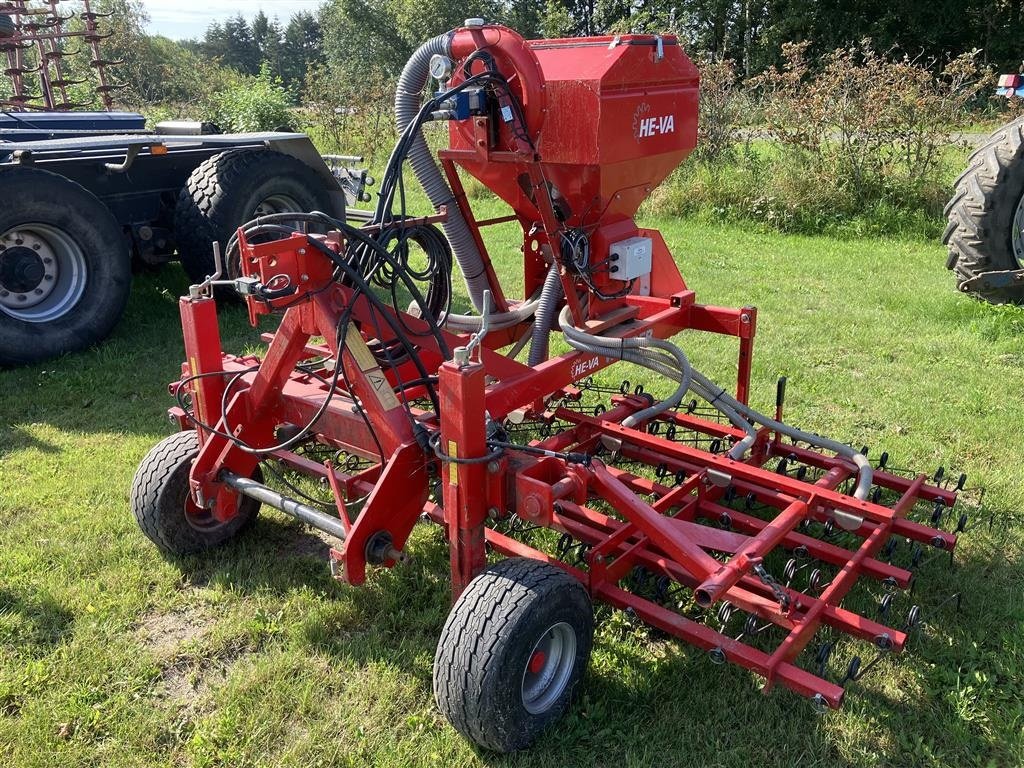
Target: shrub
350,114
875,124
253,104
722,106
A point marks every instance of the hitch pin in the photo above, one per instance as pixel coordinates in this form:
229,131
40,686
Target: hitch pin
485,326
203,288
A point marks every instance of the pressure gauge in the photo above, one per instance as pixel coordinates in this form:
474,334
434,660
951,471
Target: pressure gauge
441,68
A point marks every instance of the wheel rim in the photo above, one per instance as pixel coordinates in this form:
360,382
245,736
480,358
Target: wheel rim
277,204
549,668
1017,238
42,273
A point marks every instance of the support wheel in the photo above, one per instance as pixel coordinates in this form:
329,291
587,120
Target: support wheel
233,188
512,653
985,231
164,509
7,28
65,270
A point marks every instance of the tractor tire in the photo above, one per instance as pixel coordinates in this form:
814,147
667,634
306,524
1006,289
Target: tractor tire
160,494
65,268
233,188
512,653
7,28
985,230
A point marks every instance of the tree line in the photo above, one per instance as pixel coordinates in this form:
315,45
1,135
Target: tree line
372,39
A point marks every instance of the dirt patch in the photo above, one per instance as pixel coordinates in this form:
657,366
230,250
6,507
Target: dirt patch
310,542
163,634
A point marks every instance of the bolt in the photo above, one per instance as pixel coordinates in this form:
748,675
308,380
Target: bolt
302,251
492,467
38,291
22,297
47,277
493,512
19,241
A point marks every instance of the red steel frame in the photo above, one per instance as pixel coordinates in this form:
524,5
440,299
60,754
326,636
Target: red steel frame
666,529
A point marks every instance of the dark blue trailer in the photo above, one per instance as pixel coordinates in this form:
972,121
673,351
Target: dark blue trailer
83,195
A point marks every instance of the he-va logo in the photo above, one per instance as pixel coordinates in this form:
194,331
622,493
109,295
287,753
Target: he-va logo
645,126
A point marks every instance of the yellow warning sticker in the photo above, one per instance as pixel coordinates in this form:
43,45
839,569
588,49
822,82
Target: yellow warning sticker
453,452
374,375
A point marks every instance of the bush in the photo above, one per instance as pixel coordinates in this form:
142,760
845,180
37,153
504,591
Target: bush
350,114
722,107
873,124
253,104
860,146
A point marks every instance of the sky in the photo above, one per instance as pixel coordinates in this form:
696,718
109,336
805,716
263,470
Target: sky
179,19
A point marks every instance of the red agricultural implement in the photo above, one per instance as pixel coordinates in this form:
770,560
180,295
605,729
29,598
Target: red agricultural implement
724,527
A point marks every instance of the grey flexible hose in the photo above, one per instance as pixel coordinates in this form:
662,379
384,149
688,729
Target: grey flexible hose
498,320
550,296
636,349
865,474
408,98
673,364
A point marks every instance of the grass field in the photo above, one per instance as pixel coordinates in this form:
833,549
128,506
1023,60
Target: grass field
113,655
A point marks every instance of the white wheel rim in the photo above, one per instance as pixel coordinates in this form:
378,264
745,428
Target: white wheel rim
43,273
549,668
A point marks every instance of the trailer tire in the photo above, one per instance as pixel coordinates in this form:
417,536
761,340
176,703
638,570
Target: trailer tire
160,494
65,269
986,216
512,653
232,188
7,28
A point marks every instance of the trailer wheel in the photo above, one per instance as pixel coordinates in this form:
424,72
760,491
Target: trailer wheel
232,188
512,653
160,499
985,230
7,28
65,270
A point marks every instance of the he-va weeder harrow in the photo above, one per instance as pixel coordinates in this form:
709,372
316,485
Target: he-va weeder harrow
719,525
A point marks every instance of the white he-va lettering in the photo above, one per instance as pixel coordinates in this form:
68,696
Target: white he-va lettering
651,126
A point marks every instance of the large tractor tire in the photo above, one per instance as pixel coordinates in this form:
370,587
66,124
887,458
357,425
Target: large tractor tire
164,509
233,188
985,233
512,653
65,269
7,28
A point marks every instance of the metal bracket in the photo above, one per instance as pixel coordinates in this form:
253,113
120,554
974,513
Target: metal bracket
988,281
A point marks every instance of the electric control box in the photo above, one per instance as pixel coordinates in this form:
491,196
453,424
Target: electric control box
630,259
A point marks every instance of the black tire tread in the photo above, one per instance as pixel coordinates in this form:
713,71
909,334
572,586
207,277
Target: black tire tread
980,213
157,481
476,627
203,213
7,26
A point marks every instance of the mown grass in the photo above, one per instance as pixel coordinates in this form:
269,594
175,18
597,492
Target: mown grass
113,655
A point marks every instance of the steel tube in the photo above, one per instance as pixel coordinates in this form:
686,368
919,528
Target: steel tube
303,512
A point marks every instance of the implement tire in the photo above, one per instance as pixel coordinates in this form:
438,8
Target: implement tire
160,497
231,189
512,653
7,28
65,269
985,230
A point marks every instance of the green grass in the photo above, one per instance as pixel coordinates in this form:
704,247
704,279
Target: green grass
113,655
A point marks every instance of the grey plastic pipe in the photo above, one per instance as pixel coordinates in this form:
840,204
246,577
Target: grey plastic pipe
550,296
408,99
